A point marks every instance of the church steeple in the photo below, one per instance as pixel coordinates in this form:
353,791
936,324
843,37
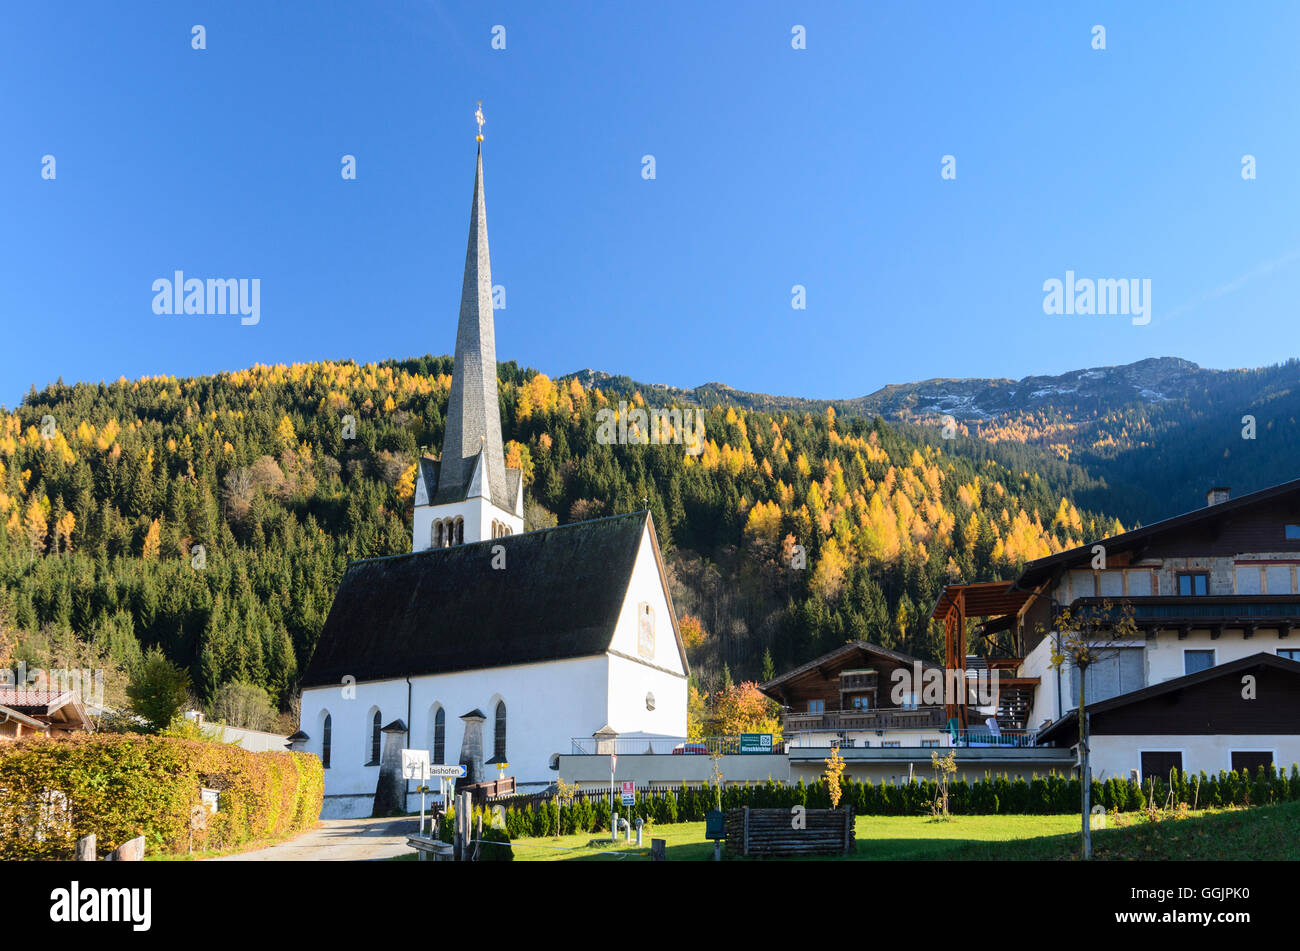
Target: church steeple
473,436
469,495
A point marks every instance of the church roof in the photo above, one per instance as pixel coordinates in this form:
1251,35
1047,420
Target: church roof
473,411
447,609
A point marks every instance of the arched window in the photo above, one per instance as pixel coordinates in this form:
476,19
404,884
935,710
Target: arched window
326,731
376,723
437,534
438,736
460,531
499,742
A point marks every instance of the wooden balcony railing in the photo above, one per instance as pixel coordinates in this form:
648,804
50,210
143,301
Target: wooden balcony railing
1249,611
923,718
861,680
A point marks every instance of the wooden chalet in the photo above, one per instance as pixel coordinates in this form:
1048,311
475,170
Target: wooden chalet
848,694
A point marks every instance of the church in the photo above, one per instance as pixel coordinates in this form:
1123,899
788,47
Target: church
489,646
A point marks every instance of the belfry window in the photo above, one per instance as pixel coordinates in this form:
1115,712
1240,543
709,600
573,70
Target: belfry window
499,739
375,725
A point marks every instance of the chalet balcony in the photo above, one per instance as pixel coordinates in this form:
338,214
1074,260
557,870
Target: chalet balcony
1249,612
923,718
851,680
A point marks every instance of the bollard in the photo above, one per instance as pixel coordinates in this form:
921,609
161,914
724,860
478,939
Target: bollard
86,848
640,823
613,827
129,851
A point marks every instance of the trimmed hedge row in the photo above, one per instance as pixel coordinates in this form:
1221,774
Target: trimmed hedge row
119,786
994,795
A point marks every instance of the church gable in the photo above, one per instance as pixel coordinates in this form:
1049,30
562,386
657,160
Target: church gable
647,624
557,594
426,482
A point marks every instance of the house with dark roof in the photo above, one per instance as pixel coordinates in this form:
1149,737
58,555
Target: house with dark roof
1239,715
1208,591
488,646
885,711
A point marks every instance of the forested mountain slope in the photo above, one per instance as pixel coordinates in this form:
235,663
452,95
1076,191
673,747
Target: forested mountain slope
214,516
1143,440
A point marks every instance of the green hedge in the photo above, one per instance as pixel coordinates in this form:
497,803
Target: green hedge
993,795
119,786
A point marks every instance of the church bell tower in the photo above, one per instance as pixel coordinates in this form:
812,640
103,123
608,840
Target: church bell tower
468,494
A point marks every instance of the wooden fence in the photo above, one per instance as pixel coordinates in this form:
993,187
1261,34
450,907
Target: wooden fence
789,832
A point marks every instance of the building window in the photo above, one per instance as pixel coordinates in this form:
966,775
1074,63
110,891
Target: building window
1248,762
891,744
1289,653
817,706
926,744
499,741
376,724
1159,764
326,731
862,703
439,751
1293,533
1195,661
645,630
436,535
1192,583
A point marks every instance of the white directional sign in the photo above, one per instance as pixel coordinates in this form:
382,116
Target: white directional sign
446,772
415,764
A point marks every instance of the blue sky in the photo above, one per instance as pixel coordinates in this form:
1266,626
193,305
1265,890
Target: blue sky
774,167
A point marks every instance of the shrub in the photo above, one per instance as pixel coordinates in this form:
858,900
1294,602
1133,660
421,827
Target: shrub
119,786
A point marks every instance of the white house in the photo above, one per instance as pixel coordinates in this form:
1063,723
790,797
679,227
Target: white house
1215,598
490,646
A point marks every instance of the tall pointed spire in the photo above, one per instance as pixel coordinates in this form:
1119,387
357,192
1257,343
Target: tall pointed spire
473,412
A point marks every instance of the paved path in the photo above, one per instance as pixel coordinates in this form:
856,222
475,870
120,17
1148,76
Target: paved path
338,840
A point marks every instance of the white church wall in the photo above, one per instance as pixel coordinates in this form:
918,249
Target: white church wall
546,706
630,685
646,586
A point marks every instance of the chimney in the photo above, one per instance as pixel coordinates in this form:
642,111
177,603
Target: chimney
1217,495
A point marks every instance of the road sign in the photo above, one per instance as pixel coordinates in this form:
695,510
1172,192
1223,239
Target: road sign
447,772
629,793
415,764
756,742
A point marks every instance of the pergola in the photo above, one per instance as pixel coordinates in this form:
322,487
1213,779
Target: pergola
1000,600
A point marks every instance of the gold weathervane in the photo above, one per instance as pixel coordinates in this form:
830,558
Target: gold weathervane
478,117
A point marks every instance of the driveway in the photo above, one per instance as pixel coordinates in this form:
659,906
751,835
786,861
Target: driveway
338,840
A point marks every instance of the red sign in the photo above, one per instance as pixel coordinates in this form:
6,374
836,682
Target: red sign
629,789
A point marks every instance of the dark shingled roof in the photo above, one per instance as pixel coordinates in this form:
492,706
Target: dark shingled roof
448,609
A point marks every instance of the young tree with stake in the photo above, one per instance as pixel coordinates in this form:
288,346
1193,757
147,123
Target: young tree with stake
1081,639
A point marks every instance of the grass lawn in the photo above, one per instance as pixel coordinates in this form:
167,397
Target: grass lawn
1244,834
882,838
